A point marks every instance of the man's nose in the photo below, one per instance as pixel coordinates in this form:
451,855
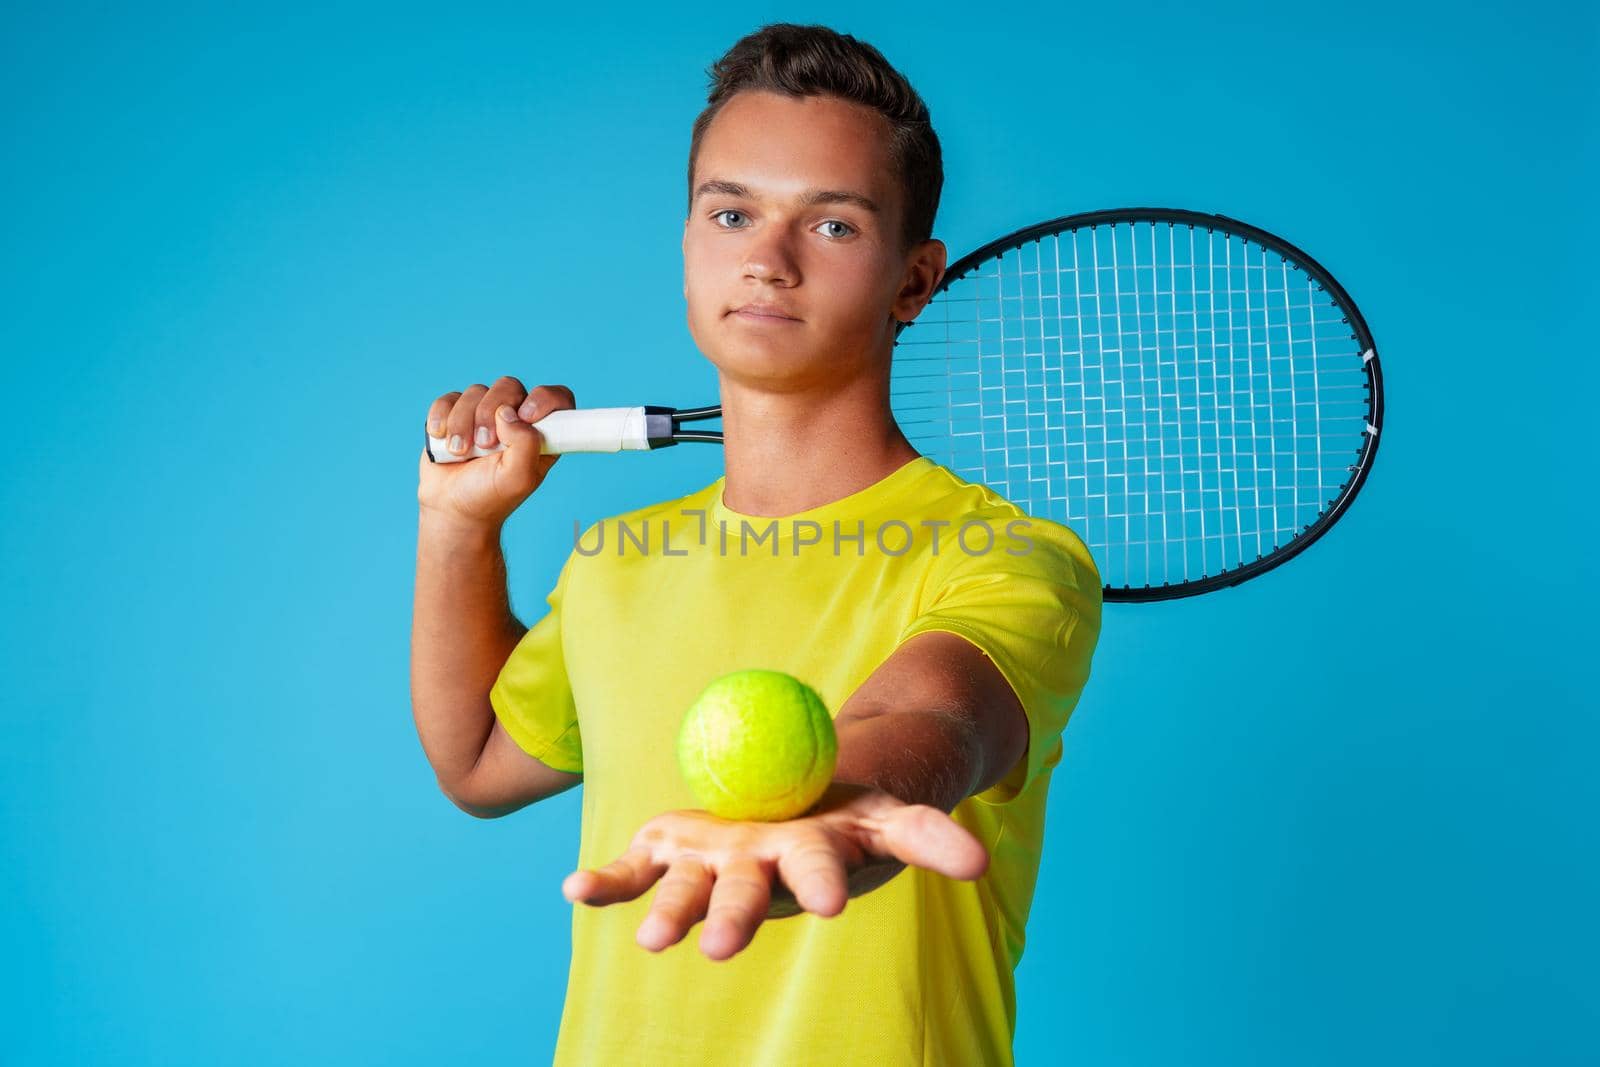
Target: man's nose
770,258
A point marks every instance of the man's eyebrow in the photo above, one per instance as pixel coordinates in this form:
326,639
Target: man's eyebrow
839,196
717,187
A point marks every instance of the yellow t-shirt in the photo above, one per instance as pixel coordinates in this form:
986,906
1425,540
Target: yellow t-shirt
653,605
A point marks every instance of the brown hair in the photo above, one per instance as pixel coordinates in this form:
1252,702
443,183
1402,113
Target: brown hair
813,61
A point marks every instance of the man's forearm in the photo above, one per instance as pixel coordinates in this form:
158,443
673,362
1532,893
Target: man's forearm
462,633
920,757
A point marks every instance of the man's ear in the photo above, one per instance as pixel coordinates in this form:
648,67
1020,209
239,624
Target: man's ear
684,248
925,264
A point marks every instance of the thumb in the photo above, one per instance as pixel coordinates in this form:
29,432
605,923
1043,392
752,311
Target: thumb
522,441
926,837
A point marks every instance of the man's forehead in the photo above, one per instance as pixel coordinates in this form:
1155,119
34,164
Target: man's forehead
777,145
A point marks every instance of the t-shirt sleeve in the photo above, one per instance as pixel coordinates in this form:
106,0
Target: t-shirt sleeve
1032,605
532,697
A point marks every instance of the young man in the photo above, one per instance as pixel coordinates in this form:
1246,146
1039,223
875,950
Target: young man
814,180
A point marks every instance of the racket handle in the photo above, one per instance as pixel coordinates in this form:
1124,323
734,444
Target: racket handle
582,430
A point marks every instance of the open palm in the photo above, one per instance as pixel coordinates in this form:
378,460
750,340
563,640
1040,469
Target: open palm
735,875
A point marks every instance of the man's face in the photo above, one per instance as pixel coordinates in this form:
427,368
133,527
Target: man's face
792,263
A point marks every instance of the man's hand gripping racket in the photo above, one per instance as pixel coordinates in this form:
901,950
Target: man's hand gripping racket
515,457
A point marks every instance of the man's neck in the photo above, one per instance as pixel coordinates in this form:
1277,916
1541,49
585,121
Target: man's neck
789,452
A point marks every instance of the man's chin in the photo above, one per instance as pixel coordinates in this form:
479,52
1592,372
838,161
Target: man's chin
770,368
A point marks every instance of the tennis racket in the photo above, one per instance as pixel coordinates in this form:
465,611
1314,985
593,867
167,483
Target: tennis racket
1197,399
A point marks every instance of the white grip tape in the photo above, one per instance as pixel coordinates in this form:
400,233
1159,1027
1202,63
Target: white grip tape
580,430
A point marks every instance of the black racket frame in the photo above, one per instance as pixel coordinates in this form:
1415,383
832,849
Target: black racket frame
1319,275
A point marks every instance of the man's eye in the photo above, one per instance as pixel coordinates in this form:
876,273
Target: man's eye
735,219
835,228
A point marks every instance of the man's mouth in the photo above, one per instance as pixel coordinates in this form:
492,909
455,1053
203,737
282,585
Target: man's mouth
757,311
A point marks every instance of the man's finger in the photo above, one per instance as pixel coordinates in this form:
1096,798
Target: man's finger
815,874
623,879
679,903
924,836
438,410
739,902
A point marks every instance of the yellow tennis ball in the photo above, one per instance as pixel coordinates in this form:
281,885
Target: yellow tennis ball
757,745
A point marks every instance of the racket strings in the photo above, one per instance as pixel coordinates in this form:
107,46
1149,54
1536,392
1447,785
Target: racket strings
1185,400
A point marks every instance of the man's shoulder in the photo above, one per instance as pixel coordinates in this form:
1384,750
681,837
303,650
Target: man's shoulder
981,516
949,493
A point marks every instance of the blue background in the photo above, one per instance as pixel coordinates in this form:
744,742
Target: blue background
1342,814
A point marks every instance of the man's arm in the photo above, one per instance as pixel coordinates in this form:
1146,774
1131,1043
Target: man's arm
462,629
462,633
935,723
